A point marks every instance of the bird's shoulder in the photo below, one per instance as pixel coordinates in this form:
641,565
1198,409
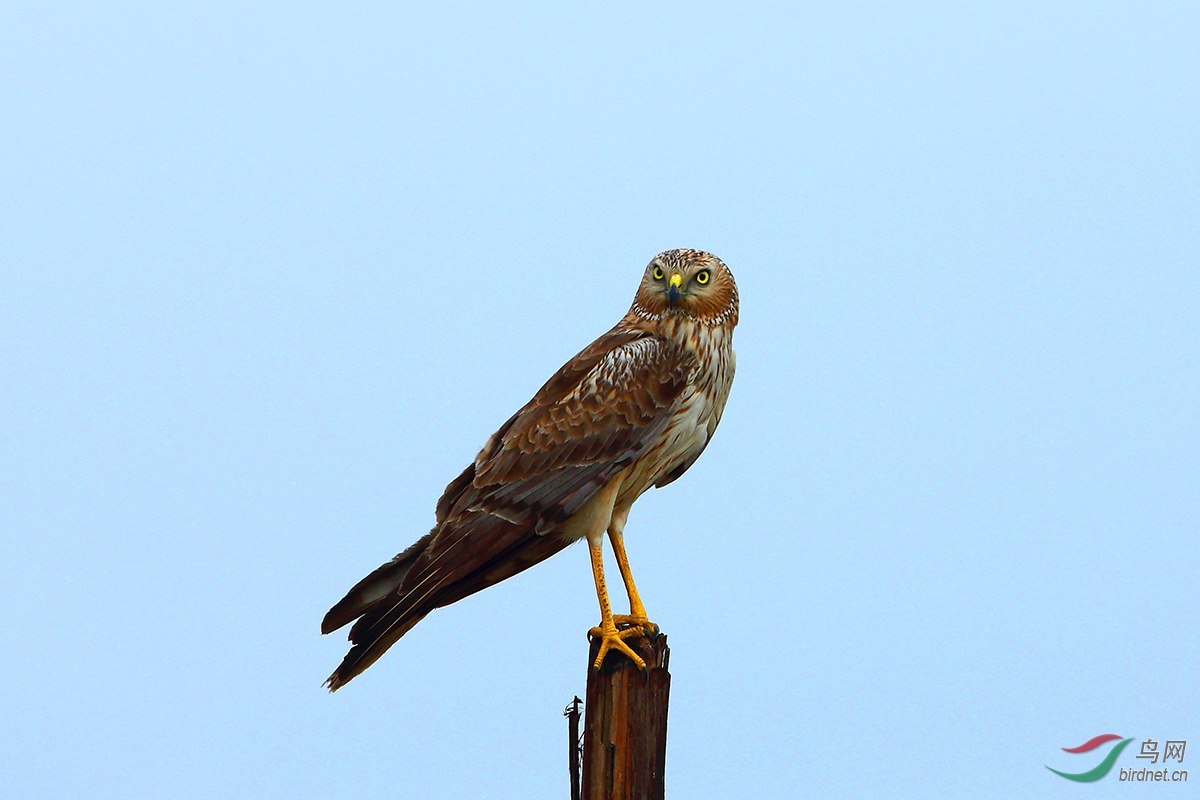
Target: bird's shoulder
597,412
616,386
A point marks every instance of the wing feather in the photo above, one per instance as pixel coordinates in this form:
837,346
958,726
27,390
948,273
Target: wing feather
590,421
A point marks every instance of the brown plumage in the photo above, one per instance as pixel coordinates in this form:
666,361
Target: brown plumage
633,410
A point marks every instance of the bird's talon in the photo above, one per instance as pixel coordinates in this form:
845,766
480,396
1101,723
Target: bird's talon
613,639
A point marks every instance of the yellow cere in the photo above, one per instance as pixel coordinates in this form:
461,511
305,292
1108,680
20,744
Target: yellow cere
676,280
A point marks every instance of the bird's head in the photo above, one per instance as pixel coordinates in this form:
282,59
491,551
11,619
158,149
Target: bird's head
688,283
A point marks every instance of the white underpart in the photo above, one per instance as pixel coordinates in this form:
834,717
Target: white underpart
695,419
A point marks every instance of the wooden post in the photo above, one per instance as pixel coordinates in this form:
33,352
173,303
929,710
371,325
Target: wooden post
625,724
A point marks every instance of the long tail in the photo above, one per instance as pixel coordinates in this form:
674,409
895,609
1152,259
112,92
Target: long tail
385,613
367,600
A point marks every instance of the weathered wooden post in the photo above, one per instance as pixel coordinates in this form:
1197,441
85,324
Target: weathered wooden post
625,724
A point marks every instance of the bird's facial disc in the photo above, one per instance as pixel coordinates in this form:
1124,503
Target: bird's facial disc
688,282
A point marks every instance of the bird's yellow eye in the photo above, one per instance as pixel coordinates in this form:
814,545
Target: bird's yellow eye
702,277
658,273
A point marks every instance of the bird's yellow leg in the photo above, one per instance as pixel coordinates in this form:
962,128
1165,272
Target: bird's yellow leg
637,612
610,637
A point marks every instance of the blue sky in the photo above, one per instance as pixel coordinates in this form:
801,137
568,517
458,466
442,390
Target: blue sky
270,275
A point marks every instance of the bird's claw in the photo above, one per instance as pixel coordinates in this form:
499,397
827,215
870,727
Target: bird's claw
613,639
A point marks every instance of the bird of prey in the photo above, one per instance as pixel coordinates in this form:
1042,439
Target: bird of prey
633,410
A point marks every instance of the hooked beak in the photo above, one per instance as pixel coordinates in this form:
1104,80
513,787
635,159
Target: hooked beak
673,292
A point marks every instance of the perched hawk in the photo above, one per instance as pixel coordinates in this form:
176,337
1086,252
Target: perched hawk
635,409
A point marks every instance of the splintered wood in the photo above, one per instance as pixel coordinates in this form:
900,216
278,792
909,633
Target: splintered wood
625,724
